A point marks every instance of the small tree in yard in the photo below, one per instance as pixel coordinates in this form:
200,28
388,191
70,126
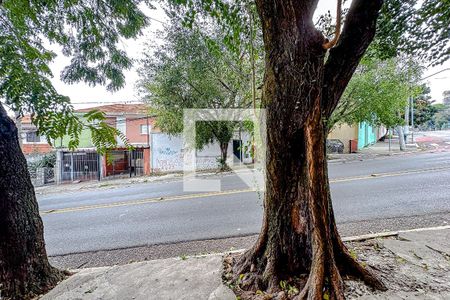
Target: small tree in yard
192,69
88,32
442,117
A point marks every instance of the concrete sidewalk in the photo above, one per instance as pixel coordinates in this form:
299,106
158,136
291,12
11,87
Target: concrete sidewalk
378,149
111,183
172,278
413,264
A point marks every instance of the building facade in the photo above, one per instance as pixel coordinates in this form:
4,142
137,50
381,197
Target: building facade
32,143
152,151
357,136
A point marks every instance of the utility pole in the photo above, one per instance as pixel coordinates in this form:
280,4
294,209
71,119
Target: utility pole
18,121
406,127
148,132
412,119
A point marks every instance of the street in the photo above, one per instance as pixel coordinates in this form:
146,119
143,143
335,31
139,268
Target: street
160,213
224,150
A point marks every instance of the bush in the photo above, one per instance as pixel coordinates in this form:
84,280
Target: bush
47,161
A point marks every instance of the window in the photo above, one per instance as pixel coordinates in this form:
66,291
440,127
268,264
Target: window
145,130
33,137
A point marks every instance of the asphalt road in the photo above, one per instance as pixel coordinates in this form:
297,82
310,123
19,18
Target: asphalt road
160,212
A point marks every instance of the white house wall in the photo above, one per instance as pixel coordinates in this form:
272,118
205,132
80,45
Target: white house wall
167,153
208,157
121,125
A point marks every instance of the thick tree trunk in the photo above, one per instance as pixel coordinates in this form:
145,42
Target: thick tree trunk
24,269
299,242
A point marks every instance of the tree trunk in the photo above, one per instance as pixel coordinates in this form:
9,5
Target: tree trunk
401,138
299,242
24,268
223,156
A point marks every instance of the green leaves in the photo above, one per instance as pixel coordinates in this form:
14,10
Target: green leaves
193,68
378,92
420,28
232,17
89,33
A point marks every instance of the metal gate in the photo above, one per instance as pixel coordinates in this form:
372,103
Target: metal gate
122,163
80,165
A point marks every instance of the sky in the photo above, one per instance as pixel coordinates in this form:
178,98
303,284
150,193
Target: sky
82,95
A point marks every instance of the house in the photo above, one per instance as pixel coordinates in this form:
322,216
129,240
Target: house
153,151
356,137
134,122
32,142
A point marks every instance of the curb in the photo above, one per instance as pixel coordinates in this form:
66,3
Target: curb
356,238
344,239
390,233
338,160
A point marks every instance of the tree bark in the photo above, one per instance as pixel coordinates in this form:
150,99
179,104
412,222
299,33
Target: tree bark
223,156
24,268
401,138
299,241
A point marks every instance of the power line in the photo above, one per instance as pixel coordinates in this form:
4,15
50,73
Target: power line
159,21
443,70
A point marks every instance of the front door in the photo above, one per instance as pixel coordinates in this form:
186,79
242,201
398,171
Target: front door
237,151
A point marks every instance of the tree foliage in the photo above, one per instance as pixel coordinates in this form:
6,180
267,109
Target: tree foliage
441,119
194,69
424,110
446,98
412,27
89,33
378,92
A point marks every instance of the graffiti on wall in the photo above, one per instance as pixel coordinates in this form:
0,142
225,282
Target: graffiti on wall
207,163
167,154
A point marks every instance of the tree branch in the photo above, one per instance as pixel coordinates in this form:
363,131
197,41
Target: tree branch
358,33
337,31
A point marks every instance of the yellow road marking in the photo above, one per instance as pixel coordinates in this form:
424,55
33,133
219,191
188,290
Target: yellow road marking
143,201
221,193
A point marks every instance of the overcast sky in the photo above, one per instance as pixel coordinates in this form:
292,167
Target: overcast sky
83,95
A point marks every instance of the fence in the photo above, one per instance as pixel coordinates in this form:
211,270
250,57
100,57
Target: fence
120,163
42,176
80,166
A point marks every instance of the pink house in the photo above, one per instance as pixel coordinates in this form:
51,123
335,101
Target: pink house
134,121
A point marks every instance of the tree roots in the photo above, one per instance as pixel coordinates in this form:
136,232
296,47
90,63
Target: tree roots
254,276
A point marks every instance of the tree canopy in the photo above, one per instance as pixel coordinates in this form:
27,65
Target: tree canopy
378,92
194,69
302,86
413,27
89,33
